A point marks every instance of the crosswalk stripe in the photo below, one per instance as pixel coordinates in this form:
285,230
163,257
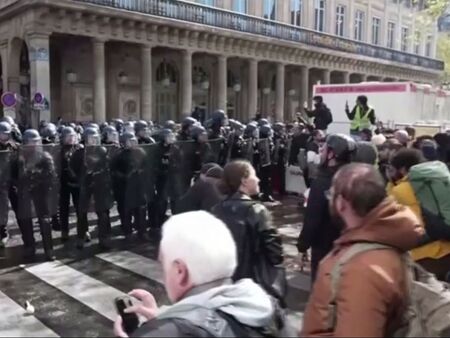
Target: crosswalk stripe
138,264
91,292
15,322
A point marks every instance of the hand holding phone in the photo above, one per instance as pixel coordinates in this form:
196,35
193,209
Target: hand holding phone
130,320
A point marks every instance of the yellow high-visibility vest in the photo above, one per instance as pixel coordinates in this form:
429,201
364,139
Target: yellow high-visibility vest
361,121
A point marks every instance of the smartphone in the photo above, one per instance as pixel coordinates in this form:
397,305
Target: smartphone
130,320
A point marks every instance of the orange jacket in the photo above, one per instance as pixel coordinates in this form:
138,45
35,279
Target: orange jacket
372,289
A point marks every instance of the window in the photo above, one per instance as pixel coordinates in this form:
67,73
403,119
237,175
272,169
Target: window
376,24
405,36
391,35
240,6
359,25
429,45
296,12
417,41
269,9
319,15
340,20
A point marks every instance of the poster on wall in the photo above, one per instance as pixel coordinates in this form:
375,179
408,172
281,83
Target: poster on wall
84,103
129,105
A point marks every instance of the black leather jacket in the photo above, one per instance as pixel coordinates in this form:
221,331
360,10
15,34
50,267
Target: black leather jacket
245,218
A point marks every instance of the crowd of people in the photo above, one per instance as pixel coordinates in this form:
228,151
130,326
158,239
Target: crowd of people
374,197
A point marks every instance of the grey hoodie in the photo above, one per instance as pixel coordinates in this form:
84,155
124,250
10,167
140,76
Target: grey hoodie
196,314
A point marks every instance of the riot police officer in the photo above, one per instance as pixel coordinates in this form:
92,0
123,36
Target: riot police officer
280,155
219,120
186,126
264,167
251,135
118,124
110,136
90,165
236,144
36,175
170,125
168,179
49,133
127,169
8,152
202,150
69,182
143,133
16,135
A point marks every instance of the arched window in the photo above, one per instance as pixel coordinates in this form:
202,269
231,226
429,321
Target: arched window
166,70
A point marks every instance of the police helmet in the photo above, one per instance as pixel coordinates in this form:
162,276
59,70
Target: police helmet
251,130
343,146
128,127
93,125
140,125
169,124
188,122
5,128
265,131
167,136
365,152
219,117
128,140
8,119
49,131
31,137
103,126
69,136
263,122
197,131
279,127
110,135
91,137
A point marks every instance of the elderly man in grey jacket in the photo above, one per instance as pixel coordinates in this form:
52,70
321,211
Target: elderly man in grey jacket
198,256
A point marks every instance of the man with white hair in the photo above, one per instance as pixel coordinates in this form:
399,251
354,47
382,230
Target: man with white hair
199,256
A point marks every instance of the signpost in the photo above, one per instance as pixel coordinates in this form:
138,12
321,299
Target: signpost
9,101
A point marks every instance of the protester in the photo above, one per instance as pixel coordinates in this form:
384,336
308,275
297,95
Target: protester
368,295
204,194
313,156
250,223
205,301
319,231
321,114
433,255
362,116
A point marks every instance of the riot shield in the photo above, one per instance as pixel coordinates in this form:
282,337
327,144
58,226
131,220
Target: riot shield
264,152
152,161
95,180
5,181
217,151
248,150
182,158
55,152
38,181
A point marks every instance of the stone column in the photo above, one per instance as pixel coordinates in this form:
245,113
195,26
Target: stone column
39,54
346,77
222,83
280,92
4,56
99,81
252,88
146,83
304,85
186,83
326,76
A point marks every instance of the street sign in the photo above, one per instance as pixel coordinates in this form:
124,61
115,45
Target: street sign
39,101
9,99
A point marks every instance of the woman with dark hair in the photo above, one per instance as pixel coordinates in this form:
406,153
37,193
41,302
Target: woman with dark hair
257,240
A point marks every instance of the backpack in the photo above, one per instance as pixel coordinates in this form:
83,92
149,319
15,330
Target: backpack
428,310
431,184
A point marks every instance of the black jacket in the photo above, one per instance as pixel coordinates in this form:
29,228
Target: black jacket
239,212
322,116
203,195
298,142
319,231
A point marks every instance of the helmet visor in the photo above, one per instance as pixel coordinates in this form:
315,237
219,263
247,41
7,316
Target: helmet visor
70,139
93,140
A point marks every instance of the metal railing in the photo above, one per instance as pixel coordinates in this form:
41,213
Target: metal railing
216,17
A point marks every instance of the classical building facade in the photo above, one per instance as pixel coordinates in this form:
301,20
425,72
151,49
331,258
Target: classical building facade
159,59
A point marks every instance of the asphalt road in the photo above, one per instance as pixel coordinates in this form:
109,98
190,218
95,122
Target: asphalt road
74,295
